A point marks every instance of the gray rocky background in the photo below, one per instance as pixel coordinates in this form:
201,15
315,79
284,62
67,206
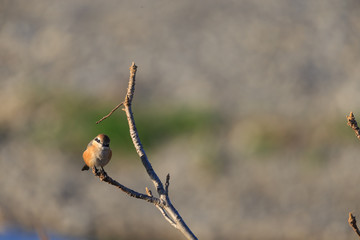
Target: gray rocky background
242,102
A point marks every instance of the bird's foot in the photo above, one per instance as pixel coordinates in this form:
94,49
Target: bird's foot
103,173
95,171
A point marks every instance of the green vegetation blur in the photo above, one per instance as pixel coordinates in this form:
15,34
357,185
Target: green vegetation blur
67,119
242,102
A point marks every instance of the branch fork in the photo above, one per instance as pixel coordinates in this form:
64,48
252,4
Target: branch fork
162,202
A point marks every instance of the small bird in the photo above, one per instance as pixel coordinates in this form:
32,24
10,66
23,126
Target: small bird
97,153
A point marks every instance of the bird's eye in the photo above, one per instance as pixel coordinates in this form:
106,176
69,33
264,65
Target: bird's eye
98,140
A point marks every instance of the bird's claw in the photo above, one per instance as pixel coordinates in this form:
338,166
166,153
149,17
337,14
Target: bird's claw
103,173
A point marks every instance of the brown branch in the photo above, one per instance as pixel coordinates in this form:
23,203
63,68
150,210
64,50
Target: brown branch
353,124
352,223
163,203
105,117
105,178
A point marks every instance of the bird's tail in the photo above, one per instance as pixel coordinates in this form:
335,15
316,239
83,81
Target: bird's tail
85,167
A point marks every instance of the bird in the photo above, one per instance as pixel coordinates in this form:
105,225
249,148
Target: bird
97,153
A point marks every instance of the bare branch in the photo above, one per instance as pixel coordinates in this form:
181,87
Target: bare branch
179,222
105,117
163,203
134,134
352,223
105,178
353,124
167,217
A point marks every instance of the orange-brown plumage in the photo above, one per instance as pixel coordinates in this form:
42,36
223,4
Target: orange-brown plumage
97,153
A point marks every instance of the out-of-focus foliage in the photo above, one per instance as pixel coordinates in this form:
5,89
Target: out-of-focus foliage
242,102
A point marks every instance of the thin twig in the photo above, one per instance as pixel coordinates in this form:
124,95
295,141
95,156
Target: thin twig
167,183
105,117
353,124
105,178
352,223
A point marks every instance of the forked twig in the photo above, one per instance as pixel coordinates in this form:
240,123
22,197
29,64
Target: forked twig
162,202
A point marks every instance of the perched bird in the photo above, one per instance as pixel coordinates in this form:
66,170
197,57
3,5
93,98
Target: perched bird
97,153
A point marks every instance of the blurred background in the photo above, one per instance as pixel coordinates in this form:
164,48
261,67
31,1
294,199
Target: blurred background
242,102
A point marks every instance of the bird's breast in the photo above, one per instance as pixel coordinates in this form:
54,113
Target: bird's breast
103,157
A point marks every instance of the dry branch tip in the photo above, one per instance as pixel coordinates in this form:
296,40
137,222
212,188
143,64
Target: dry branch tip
148,192
353,124
167,183
352,223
